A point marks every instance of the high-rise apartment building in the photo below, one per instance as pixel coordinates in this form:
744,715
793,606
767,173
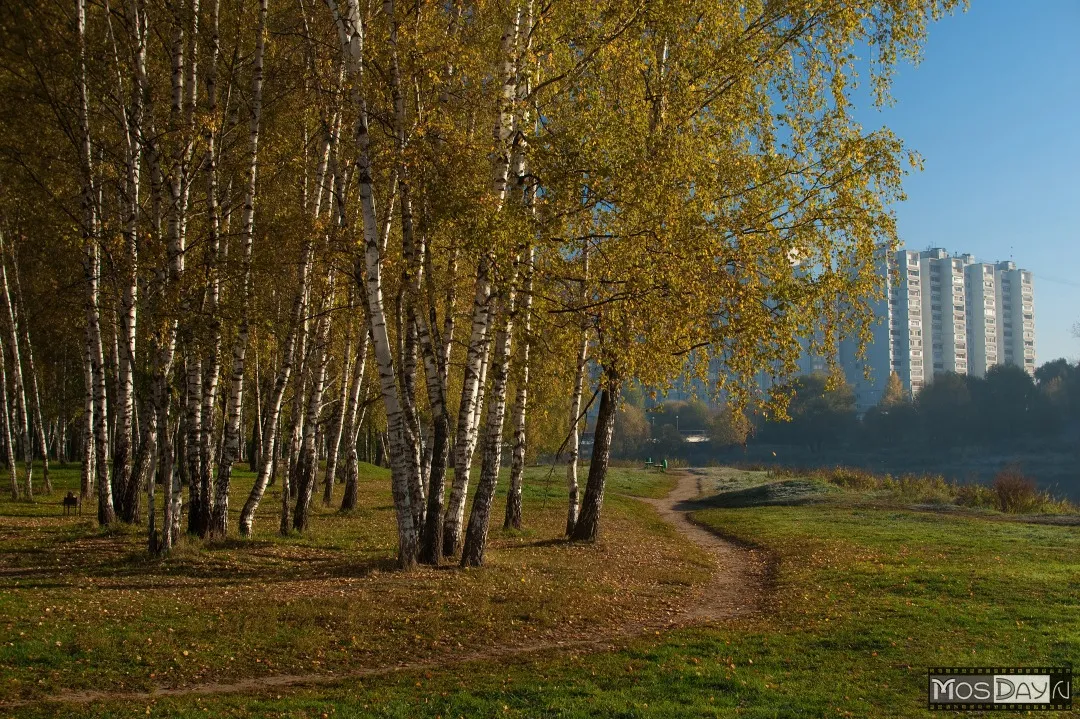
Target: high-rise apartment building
941,313
906,328
1016,316
944,311
980,284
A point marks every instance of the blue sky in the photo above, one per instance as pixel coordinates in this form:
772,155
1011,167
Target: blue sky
994,109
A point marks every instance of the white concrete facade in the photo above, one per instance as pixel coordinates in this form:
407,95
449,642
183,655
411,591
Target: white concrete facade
944,311
980,283
1016,316
941,313
906,332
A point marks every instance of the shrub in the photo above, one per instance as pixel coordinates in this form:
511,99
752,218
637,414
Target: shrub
853,478
922,488
975,495
1015,493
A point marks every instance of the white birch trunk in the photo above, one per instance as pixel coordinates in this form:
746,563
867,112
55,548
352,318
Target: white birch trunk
91,268
575,410
436,459
183,180
338,421
5,427
517,464
18,387
472,390
587,526
309,460
106,513
125,482
273,414
220,515
87,469
181,121
350,33
296,411
472,394
412,251
39,423
194,435
352,425
472,552
212,295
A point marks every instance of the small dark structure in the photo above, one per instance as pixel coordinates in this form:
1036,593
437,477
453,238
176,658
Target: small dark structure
72,504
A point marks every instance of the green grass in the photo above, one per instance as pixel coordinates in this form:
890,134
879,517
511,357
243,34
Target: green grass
864,598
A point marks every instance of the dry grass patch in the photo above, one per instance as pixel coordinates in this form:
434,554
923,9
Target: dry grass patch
85,609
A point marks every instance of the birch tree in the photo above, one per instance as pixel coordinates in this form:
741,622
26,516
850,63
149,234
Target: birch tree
223,478
22,412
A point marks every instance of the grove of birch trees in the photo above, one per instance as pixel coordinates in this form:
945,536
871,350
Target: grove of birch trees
435,235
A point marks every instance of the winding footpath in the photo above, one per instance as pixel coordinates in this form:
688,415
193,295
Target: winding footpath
737,588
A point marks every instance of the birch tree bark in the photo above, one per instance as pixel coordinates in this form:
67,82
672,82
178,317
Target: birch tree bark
337,422
575,408
436,372
309,460
296,409
35,395
220,516
193,435
125,479
5,427
473,384
588,522
352,424
18,386
106,513
86,482
351,36
472,391
212,294
273,411
409,288
91,269
472,553
517,463
181,125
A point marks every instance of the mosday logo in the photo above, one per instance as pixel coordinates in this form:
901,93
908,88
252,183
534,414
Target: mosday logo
1004,688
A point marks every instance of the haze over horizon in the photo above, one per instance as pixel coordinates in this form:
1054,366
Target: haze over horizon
992,108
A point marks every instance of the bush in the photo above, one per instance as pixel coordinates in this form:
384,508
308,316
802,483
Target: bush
1015,493
853,478
975,495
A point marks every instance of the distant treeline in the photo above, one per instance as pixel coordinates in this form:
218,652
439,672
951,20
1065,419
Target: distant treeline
953,410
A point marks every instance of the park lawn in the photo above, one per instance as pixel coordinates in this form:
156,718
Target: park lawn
863,599
86,609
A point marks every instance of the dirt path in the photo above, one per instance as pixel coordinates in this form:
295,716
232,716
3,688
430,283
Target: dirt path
737,588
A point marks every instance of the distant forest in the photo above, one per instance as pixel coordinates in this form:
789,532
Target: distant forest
1006,407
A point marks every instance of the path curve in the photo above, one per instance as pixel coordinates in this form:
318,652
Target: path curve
738,586
736,589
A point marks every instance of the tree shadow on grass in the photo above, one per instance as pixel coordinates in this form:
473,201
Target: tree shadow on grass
200,566
553,542
789,492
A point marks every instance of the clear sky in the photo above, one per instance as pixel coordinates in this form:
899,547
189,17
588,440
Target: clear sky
994,109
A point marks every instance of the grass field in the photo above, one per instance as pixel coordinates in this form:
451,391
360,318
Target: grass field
863,599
